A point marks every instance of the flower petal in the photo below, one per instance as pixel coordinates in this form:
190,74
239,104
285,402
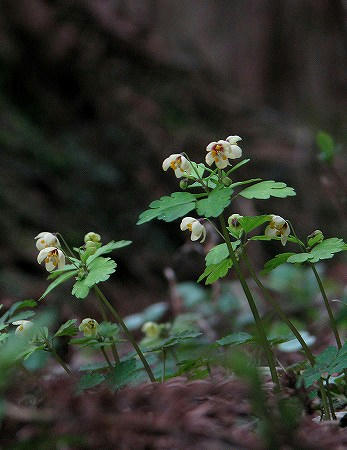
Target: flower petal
236,152
185,222
233,139
209,159
210,146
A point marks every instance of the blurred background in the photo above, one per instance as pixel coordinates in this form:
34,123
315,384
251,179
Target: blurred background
96,93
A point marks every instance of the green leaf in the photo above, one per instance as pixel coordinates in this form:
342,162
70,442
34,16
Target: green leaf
89,380
122,374
94,366
108,248
326,145
99,269
53,275
276,238
219,252
15,307
108,329
236,339
325,250
214,204
67,329
174,339
169,208
298,258
80,289
61,278
215,271
248,223
22,316
267,189
275,262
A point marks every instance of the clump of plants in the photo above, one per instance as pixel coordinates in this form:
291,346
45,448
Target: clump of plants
206,195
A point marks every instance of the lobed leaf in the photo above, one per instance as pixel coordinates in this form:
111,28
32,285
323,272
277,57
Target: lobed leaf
236,339
267,189
215,203
67,329
248,223
169,208
108,248
80,289
99,269
275,262
61,279
215,271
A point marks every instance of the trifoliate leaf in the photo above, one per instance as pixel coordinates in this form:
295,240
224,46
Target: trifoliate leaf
215,271
248,223
169,208
267,189
67,329
325,250
89,380
80,289
108,248
236,339
99,269
276,261
219,252
214,204
61,278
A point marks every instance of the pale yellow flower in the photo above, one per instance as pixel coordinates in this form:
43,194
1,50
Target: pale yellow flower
278,227
89,327
53,257
195,227
46,239
179,164
23,327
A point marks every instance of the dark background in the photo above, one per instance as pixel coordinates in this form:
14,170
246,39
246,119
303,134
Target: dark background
95,94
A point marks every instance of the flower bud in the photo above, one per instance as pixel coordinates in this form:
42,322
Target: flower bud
315,238
151,330
93,237
184,184
227,181
89,327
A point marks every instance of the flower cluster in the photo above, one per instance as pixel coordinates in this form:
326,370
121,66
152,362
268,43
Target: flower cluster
50,252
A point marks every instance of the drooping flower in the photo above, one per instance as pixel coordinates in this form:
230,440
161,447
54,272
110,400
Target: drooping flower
151,330
53,257
46,239
23,326
278,227
89,327
195,227
221,151
179,164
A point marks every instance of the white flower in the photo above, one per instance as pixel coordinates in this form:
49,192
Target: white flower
236,150
151,330
220,152
178,163
46,239
195,227
89,327
53,258
24,326
278,227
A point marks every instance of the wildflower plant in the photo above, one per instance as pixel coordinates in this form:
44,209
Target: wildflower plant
207,194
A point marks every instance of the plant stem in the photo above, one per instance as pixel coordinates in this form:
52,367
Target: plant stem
289,323
60,361
278,309
106,358
164,365
252,305
113,346
126,331
327,305
331,404
66,244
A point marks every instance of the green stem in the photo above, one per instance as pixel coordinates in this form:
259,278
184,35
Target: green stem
164,365
106,358
126,331
66,244
289,323
60,361
252,305
327,305
324,401
331,404
278,309
115,352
